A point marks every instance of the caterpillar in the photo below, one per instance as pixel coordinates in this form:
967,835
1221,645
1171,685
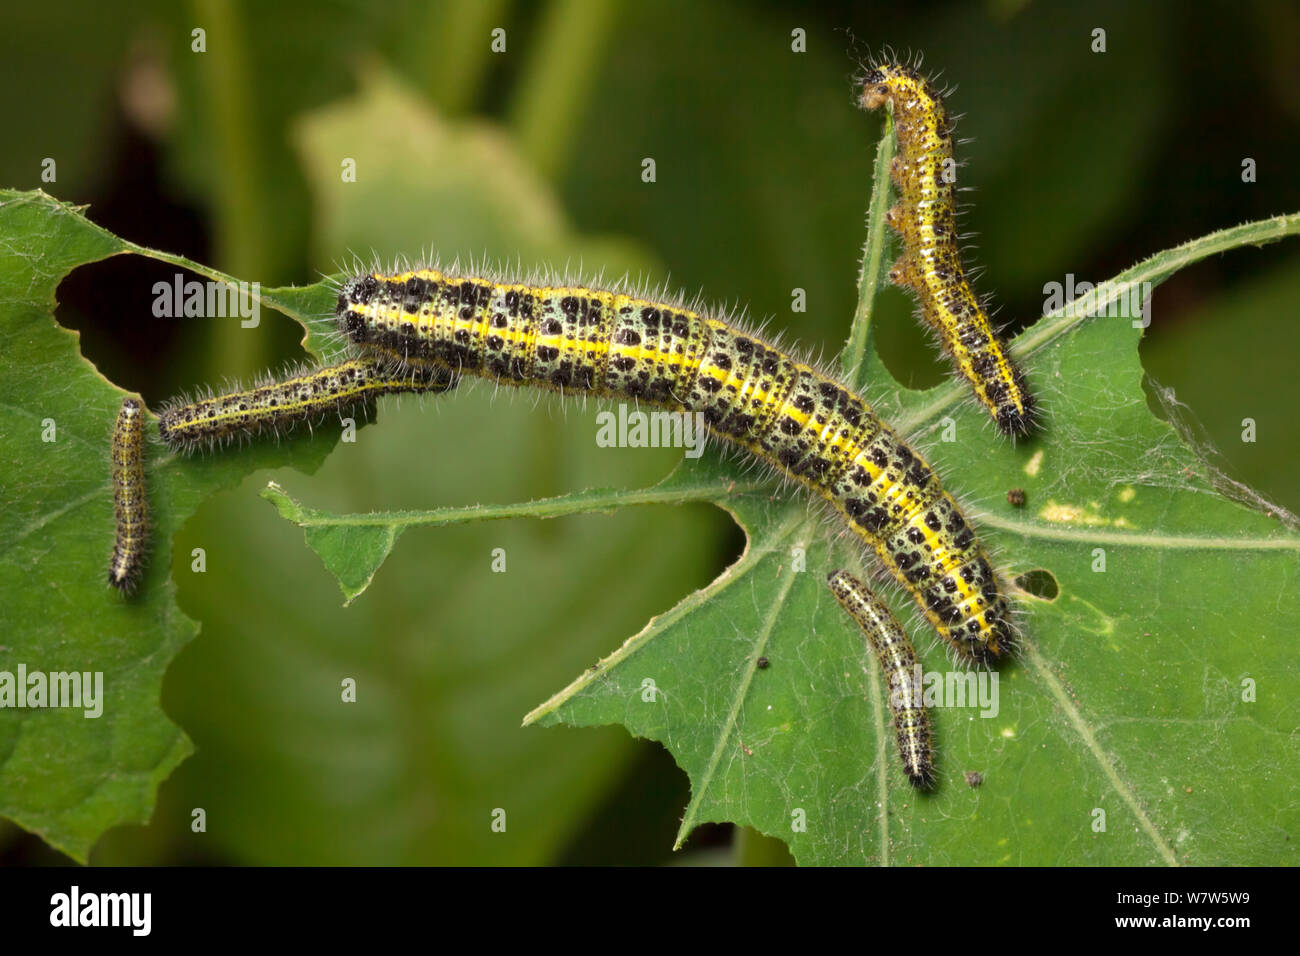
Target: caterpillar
306,395
786,413
898,662
924,173
130,502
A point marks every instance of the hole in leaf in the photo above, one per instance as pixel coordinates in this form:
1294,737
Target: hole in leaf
1039,582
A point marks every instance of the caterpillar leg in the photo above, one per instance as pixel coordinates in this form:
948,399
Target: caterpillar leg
302,396
897,659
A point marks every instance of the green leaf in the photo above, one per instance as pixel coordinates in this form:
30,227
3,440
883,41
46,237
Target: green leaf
276,645
62,775
1132,671
1129,695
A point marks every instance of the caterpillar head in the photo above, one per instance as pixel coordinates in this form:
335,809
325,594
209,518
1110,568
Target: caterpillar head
357,291
884,80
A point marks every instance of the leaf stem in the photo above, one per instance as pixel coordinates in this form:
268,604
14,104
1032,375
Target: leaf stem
460,31
243,241
855,350
591,501
551,95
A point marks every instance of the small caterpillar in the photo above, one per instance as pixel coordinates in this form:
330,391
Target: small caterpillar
898,662
307,395
783,411
926,221
130,502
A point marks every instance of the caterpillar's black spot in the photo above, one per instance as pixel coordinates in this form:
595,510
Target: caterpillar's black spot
354,327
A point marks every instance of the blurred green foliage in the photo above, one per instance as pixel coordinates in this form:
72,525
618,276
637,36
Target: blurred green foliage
1081,163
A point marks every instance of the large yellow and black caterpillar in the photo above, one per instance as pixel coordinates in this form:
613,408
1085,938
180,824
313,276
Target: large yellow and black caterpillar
925,218
785,412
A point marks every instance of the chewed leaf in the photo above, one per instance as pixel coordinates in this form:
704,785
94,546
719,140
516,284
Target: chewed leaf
1164,611
65,774
70,771
1133,693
